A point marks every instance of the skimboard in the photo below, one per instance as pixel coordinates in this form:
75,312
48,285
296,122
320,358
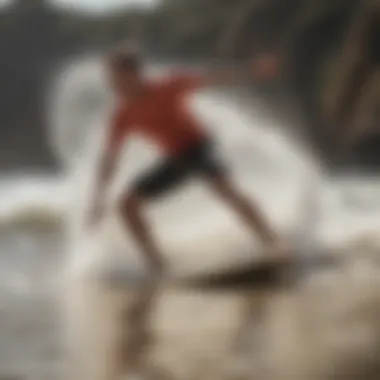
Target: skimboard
257,274
264,273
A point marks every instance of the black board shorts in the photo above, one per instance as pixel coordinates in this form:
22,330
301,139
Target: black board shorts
171,172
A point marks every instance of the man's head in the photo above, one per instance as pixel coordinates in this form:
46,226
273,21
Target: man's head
124,69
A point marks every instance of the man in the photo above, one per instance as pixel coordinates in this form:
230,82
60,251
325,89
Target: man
156,110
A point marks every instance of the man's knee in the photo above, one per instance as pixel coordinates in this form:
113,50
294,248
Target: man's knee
130,202
221,185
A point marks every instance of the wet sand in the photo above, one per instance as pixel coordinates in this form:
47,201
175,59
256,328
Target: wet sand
327,328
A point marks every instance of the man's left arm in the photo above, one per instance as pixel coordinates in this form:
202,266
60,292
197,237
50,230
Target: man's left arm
262,69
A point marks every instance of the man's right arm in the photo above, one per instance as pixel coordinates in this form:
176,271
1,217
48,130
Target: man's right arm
106,168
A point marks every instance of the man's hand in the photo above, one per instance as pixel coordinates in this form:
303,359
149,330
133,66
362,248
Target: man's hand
97,209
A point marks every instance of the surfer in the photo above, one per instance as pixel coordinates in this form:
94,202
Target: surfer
156,109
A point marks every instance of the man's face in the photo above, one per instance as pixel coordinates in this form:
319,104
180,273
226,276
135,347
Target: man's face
124,81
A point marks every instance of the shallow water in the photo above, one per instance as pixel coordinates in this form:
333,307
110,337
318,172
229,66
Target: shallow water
333,316
29,330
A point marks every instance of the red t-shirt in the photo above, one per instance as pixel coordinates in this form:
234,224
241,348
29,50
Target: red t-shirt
160,115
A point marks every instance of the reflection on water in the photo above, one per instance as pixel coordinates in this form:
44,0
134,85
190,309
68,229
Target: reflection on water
326,329
29,328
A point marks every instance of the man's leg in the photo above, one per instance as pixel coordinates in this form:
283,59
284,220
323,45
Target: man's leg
133,219
247,210
132,353
162,178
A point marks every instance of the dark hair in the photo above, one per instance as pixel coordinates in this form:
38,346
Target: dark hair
125,57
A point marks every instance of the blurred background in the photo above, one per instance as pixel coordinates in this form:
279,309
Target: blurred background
323,59
326,52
